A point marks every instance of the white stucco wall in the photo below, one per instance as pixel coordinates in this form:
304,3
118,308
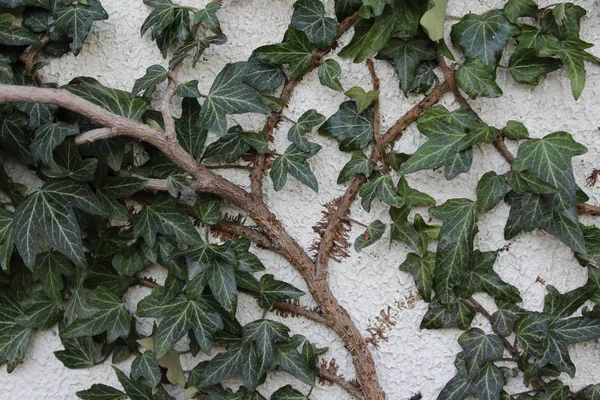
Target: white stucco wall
412,360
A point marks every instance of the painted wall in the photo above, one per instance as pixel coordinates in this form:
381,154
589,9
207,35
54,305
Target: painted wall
411,360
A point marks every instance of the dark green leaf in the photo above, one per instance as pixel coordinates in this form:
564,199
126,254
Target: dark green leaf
14,338
264,76
155,75
422,270
479,348
190,132
288,393
353,130
145,366
99,391
289,359
459,314
329,74
305,124
273,291
406,57
294,162
478,79
79,353
380,186
526,67
295,51
77,20
208,16
358,164
490,190
309,17
514,9
208,208
515,130
373,233
137,390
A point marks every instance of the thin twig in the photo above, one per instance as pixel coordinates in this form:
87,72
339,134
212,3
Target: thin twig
377,118
343,383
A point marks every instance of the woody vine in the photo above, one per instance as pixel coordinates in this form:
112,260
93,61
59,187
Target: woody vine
71,249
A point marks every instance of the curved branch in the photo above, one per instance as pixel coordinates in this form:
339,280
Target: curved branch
343,383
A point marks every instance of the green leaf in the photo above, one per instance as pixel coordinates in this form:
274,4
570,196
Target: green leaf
77,20
69,164
14,338
162,217
295,51
49,269
305,124
413,197
49,212
377,5
229,95
515,130
433,20
373,233
188,89
6,238
358,164
514,9
99,391
422,269
145,366
564,304
458,314
478,79
137,390
79,353
370,36
380,186
288,393
352,129
229,147
309,17
208,16
223,366
345,8
117,101
571,53
264,76
155,75
190,132
406,57
406,232
273,291
528,212
483,36
526,67
17,36
197,46
47,138
491,189
481,277
329,74
289,359
425,78
208,208
505,318
362,99
479,348
112,188
14,135
455,249
160,18
109,315
293,161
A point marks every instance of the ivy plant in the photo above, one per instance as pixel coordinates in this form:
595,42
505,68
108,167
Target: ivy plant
126,182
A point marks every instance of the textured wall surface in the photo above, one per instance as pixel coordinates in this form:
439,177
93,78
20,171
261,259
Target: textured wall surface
412,360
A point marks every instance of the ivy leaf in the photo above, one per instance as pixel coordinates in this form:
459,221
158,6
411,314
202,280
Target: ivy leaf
380,186
160,18
14,338
305,124
17,36
14,135
295,51
288,393
406,57
99,391
514,9
188,89
76,20
208,208
309,17
373,233
515,130
198,46
68,164
345,8
526,67
483,36
155,75
358,164
455,249
109,315
486,383
377,5
293,161
162,217
145,366
229,147
352,129
491,189
273,291
433,20
425,78
422,269
329,74
229,95
406,232
112,188
264,76
549,159
458,314
571,53
478,79
116,101
49,212
137,390
564,304
479,348
222,366
79,353
6,238
505,318
528,212
289,359
49,269
362,99
208,16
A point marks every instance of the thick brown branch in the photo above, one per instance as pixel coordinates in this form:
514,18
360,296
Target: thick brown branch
95,134
588,209
352,191
165,107
343,383
377,117
260,163
243,231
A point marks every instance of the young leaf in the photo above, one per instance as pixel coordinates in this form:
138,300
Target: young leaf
515,130
362,99
490,190
433,20
305,124
373,233
309,17
358,164
380,186
293,161
422,270
208,16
